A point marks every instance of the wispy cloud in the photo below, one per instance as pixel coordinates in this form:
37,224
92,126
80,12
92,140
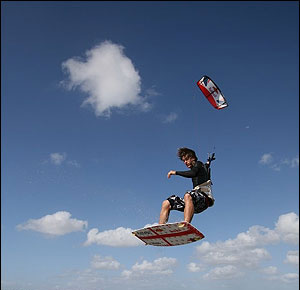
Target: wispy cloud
170,118
108,78
266,158
269,160
58,158
160,266
61,158
105,263
57,224
120,237
293,162
223,273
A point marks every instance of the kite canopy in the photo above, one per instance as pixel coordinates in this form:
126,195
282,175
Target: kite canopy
212,92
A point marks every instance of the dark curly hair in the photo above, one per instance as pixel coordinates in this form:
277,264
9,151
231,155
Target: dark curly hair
182,152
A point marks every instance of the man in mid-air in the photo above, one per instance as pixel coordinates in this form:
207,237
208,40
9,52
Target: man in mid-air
196,200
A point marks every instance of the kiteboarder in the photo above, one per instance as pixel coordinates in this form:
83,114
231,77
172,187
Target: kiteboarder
200,197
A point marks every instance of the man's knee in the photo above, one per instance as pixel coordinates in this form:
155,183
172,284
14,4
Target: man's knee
187,198
166,205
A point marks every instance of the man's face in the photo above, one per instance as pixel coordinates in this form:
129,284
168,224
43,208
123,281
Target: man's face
188,161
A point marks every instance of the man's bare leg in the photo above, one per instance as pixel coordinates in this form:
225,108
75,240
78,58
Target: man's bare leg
189,208
165,211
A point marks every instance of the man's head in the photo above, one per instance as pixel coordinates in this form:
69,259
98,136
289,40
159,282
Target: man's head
188,156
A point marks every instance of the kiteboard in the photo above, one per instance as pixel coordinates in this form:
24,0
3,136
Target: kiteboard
172,234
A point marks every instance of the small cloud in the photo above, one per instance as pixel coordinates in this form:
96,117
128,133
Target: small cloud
74,163
161,266
152,92
193,267
290,278
107,77
292,258
267,158
270,270
225,272
57,224
170,118
293,162
58,158
104,263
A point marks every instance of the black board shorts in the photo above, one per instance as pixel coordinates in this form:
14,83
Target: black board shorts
200,201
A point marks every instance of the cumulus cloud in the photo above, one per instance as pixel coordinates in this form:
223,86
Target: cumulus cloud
107,77
57,224
106,263
288,228
161,266
247,249
120,237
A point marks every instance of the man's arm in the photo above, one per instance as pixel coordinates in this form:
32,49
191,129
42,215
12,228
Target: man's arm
171,172
188,174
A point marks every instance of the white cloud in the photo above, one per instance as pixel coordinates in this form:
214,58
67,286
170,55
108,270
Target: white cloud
60,158
120,237
285,278
106,263
161,266
246,250
276,165
293,162
287,227
292,257
57,224
170,118
271,270
267,158
108,78
221,273
290,277
193,267
73,163
57,158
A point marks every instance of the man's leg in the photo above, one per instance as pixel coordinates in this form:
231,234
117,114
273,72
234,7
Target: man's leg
165,211
189,208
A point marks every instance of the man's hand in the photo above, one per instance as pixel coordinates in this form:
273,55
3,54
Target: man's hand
171,172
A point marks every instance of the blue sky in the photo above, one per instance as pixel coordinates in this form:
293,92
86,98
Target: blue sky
96,99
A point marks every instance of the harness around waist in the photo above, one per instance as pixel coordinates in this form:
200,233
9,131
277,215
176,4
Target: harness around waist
205,188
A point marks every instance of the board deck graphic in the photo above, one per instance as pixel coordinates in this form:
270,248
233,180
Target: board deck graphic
172,234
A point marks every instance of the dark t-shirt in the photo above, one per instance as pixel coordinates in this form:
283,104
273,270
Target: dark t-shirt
197,173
